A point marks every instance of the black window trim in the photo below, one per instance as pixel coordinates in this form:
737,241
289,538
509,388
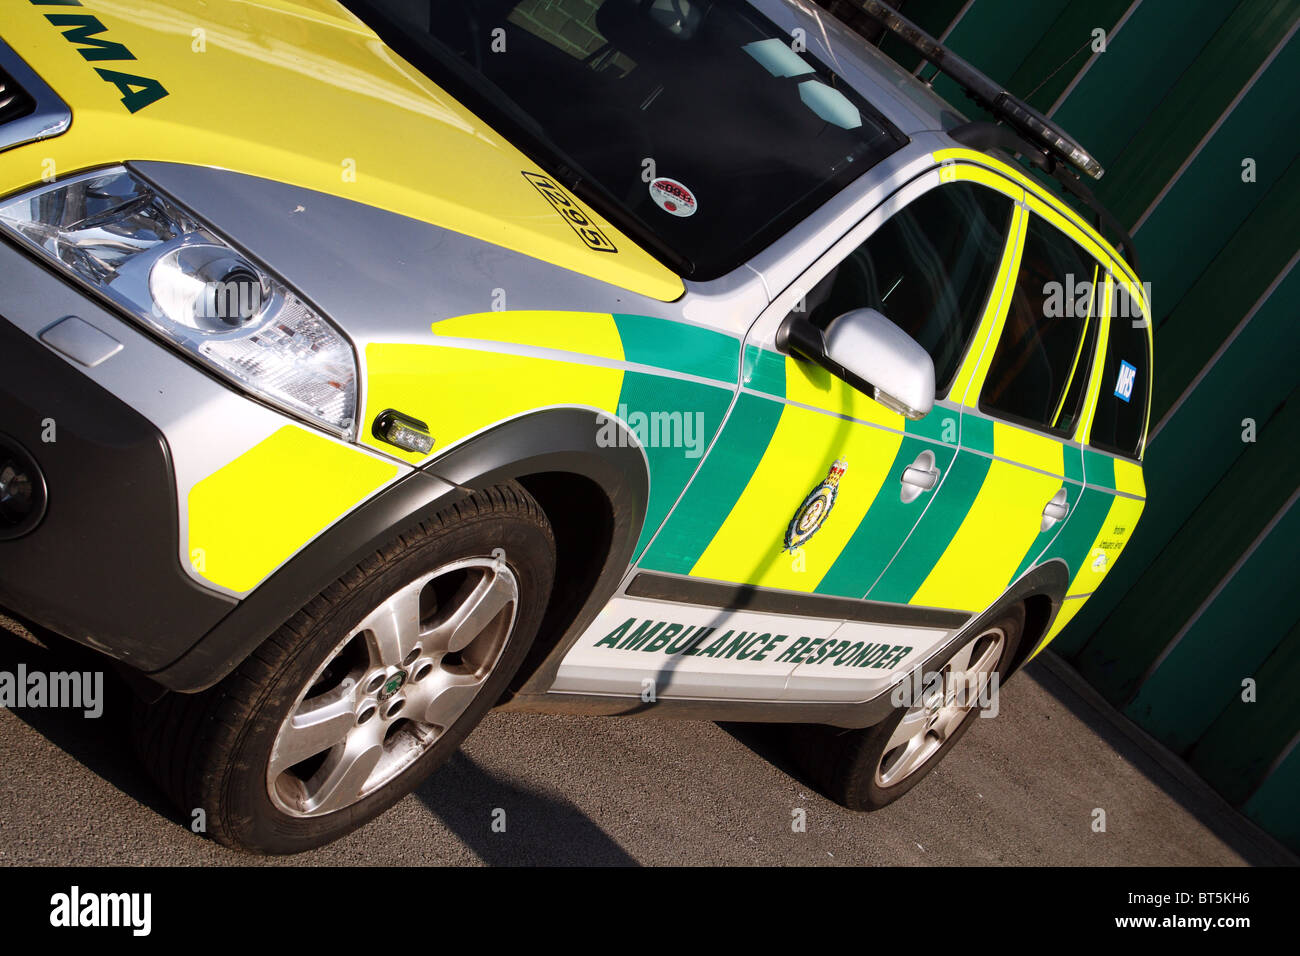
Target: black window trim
1146,412
1071,436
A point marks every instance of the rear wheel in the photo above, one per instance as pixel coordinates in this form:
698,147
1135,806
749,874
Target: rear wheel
368,688
871,768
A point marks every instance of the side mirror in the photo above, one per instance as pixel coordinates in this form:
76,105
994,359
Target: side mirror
869,352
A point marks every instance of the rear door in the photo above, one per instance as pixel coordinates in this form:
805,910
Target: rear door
1114,434
1019,473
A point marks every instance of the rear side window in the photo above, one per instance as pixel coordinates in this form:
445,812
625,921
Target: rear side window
1120,421
1040,370
929,269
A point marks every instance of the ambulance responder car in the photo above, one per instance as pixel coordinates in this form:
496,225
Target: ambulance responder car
366,364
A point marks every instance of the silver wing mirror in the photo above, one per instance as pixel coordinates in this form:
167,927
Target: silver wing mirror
870,353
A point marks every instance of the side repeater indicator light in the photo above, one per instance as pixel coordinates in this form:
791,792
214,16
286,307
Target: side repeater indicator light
408,434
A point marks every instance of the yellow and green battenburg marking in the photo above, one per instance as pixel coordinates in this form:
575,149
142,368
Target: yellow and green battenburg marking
466,386
455,388
779,442
730,522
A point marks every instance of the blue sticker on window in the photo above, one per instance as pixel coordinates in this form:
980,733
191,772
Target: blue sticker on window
1127,376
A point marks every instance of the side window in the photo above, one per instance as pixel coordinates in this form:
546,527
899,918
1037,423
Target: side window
1120,420
1040,370
929,269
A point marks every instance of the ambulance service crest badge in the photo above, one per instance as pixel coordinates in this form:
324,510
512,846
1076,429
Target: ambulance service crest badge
815,508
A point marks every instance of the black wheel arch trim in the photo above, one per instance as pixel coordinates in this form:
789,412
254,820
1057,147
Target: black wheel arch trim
552,440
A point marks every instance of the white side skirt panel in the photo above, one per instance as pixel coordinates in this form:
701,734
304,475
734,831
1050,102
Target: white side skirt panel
637,647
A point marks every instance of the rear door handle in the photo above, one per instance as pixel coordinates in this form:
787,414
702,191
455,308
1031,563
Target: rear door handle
919,477
1056,510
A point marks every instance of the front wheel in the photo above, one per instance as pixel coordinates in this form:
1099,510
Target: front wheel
871,768
368,689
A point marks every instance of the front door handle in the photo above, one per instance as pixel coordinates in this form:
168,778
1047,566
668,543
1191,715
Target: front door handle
1056,510
919,477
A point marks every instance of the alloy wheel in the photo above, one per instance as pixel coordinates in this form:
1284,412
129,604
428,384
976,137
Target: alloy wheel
393,686
946,702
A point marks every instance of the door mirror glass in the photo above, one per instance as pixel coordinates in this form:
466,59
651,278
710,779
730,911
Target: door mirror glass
873,349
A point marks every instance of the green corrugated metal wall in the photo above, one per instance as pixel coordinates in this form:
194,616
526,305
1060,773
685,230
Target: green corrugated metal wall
1204,596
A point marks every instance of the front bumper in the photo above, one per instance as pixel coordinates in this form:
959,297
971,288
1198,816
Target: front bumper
101,567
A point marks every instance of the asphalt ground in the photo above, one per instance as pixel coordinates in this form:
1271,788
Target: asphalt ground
1022,788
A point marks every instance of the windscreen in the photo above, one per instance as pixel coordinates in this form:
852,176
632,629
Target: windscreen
696,126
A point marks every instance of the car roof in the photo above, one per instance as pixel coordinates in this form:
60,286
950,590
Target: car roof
911,105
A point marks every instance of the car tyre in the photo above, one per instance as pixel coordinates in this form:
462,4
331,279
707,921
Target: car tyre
395,663
870,768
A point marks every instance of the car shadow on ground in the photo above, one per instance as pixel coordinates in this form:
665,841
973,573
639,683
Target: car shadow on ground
540,830
543,829
775,743
101,744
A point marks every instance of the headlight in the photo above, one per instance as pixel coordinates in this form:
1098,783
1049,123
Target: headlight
123,238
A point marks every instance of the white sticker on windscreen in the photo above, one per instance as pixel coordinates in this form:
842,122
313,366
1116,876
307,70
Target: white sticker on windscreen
672,197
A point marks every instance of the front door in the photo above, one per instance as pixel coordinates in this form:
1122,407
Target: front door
1019,468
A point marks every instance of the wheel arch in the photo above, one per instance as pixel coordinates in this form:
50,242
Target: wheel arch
595,494
557,452
1042,591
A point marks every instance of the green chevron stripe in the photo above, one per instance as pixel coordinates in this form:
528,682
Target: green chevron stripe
764,371
885,526
1099,469
941,425
664,413
977,433
1073,492
935,531
1080,530
678,347
1074,464
717,487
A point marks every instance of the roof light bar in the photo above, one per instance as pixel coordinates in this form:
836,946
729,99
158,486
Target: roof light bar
984,91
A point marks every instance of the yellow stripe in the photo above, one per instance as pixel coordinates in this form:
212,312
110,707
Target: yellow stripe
1085,238
1078,354
1069,608
992,540
252,515
460,391
1106,547
1136,291
1128,478
1109,258
1029,448
957,172
748,546
589,333
970,380
811,385
1094,380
